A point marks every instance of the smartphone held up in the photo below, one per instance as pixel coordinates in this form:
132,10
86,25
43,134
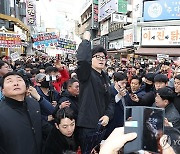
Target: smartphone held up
148,123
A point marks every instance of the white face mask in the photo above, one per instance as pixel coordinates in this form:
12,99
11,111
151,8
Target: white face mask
110,74
71,68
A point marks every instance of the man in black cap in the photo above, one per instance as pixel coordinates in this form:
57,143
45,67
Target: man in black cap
94,99
149,82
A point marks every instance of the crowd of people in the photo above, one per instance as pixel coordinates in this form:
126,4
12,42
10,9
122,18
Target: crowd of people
50,106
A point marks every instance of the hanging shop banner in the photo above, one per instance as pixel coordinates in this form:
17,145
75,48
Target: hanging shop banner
137,9
95,16
104,28
8,40
118,18
44,40
166,36
122,6
68,46
31,12
128,37
106,7
161,10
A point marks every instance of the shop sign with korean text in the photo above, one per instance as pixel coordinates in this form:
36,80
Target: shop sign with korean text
95,16
9,40
128,37
161,10
31,12
158,36
118,18
106,7
44,40
122,6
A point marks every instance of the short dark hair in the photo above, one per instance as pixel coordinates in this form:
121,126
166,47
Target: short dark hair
161,78
166,93
29,66
12,73
2,63
34,71
66,112
118,76
50,69
98,49
137,78
150,76
71,81
110,68
177,77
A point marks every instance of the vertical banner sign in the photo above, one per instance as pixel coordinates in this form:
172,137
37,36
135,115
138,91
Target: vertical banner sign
8,40
95,15
31,12
128,37
122,6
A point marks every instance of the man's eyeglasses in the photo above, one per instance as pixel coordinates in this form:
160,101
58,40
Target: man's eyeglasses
98,57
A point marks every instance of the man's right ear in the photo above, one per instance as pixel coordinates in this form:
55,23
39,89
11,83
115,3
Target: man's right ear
57,127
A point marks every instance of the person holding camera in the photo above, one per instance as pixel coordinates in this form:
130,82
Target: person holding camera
46,90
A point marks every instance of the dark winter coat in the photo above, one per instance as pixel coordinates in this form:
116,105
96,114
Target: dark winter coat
118,119
94,98
172,115
177,103
57,143
20,127
66,96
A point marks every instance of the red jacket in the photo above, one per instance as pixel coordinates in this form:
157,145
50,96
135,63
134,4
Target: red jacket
59,82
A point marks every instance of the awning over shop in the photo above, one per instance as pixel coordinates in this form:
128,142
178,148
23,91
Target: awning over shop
125,50
155,51
15,20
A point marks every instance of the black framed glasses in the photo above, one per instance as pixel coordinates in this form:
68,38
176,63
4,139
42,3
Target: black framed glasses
98,57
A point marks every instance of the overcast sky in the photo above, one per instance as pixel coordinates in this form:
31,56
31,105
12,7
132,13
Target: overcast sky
53,10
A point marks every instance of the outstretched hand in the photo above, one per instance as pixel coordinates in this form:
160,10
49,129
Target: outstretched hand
116,141
87,35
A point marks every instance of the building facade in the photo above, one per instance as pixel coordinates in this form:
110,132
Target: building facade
14,32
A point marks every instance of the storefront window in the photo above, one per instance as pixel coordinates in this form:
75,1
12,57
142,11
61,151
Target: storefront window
2,52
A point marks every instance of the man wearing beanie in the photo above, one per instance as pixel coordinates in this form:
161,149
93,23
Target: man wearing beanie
94,99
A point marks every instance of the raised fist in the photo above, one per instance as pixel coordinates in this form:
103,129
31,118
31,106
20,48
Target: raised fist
87,35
